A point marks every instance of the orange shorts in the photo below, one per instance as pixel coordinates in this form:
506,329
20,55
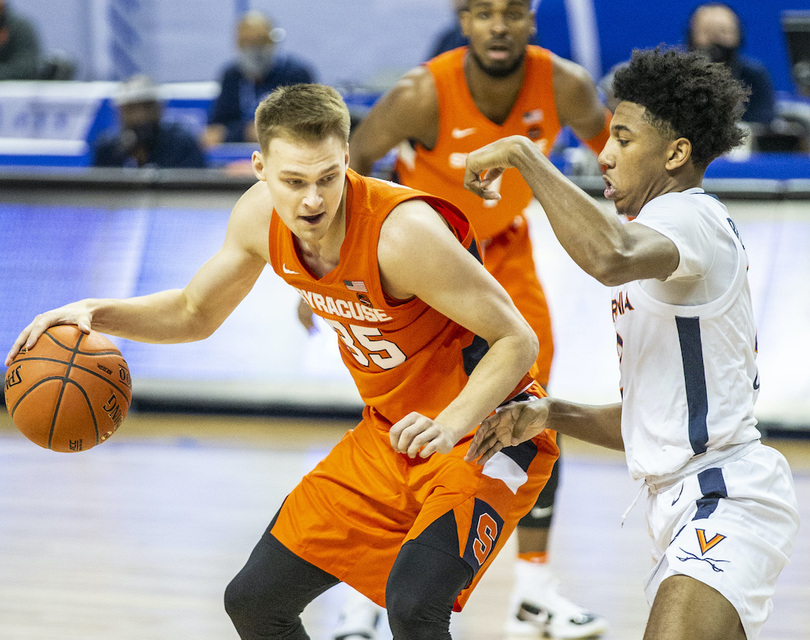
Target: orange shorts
352,513
508,257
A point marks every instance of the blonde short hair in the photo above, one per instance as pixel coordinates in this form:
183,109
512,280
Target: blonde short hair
306,112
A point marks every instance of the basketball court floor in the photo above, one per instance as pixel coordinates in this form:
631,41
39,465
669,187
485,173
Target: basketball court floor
137,538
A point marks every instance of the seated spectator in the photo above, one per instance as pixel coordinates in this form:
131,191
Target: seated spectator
144,139
19,46
716,30
258,69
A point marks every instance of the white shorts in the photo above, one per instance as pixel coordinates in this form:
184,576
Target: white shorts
730,526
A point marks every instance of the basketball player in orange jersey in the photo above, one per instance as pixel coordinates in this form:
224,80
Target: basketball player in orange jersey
433,343
435,115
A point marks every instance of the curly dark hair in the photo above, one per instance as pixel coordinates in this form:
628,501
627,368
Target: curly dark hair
686,95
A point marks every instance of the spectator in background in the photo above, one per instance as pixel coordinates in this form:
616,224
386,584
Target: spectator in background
19,46
144,140
452,36
258,69
715,30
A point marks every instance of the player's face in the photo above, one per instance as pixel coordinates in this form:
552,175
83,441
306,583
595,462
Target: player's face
306,181
499,31
635,160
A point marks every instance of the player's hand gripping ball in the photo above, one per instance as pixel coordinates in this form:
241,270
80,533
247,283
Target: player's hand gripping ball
71,391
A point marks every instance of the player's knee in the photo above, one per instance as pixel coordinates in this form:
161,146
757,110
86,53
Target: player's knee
412,615
254,611
421,589
239,599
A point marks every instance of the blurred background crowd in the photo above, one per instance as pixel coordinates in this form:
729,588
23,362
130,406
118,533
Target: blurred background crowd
174,83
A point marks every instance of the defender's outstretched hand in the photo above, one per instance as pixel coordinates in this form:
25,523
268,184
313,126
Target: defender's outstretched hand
511,425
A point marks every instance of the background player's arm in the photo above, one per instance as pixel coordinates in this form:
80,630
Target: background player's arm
516,423
409,111
419,256
177,315
604,247
578,104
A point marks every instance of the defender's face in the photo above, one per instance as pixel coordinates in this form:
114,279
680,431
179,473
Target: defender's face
306,181
499,31
635,160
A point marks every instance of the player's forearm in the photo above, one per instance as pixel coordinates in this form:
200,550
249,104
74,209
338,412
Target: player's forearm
591,236
495,376
164,317
600,425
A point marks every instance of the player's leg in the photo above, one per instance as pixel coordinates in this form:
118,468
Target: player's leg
350,514
686,609
422,588
267,596
457,535
721,537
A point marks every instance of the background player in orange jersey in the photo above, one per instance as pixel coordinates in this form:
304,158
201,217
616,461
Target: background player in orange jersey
434,345
435,115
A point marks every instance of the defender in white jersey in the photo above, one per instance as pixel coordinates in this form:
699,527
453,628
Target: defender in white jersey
721,506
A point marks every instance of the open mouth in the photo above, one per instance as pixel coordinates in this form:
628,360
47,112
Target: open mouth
498,52
610,190
313,219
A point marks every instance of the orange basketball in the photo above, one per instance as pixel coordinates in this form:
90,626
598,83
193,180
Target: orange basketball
71,391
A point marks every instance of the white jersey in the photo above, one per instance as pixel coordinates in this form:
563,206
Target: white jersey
687,345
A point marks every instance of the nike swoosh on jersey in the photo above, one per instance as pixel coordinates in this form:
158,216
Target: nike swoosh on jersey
462,133
290,271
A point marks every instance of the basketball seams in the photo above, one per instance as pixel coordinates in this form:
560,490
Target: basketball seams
76,349
69,364
87,401
115,385
82,336
32,388
57,342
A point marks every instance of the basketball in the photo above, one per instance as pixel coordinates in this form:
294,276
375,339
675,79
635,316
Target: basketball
70,392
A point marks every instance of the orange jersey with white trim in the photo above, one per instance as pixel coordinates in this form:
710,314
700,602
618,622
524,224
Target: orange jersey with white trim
463,128
403,355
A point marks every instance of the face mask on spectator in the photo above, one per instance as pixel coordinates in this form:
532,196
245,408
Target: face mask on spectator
721,53
255,61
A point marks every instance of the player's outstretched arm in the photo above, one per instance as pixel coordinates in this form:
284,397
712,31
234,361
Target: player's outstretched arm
604,247
520,421
419,256
177,315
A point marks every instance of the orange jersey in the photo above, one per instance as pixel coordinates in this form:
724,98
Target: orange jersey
463,128
403,355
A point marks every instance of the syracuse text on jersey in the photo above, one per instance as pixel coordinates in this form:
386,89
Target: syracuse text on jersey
348,309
